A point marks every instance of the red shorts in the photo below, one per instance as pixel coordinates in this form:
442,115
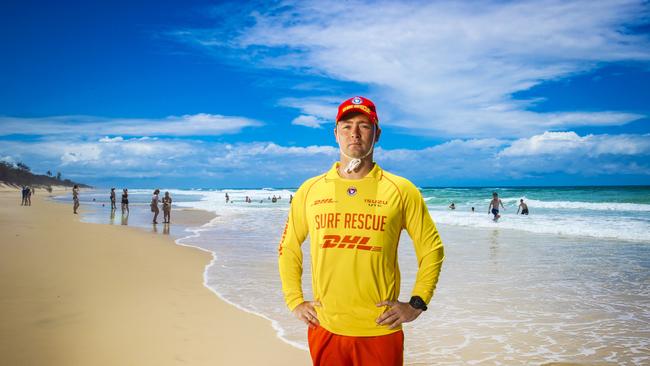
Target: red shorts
332,349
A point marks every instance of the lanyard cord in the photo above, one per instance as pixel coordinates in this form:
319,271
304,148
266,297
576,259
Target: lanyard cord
355,162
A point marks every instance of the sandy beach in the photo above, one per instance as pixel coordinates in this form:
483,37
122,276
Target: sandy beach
88,294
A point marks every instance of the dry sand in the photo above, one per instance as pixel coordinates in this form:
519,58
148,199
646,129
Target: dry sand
87,294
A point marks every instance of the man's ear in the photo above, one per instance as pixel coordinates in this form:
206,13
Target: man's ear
336,135
378,134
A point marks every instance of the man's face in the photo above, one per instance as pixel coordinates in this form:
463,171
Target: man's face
354,134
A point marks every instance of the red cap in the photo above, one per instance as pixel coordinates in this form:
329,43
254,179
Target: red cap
358,104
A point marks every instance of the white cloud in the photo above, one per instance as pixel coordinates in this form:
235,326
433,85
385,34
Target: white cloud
8,159
186,125
447,68
265,163
109,140
316,111
308,121
570,144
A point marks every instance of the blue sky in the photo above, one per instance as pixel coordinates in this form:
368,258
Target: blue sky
231,94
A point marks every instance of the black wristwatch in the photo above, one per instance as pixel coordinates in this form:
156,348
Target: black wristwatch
417,303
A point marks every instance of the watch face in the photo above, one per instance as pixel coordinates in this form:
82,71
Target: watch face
418,303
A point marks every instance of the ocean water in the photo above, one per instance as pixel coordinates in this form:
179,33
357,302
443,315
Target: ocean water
569,282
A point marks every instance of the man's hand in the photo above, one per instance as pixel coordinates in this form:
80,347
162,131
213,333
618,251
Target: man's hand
399,312
307,313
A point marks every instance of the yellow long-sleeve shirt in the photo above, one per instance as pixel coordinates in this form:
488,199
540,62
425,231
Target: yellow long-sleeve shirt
354,228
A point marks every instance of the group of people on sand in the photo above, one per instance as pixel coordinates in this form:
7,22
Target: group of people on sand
124,201
493,208
166,206
27,196
155,200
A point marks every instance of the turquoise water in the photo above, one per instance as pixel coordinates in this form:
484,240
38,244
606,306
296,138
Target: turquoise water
475,196
601,212
618,213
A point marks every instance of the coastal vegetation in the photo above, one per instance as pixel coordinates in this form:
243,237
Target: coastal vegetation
19,174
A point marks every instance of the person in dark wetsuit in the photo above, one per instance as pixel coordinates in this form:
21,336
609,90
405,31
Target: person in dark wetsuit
523,207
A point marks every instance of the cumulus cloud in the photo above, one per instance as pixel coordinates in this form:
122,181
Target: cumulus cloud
569,143
186,125
445,68
466,160
499,159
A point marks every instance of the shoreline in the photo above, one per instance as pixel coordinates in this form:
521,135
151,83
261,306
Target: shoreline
279,331
192,220
216,331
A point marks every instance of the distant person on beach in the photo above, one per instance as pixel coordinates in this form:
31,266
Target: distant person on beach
452,206
227,198
125,201
523,207
23,202
75,198
353,215
167,208
494,206
154,205
28,199
472,208
113,199
274,199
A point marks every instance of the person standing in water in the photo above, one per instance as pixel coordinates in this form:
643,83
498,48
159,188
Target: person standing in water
494,206
154,205
167,208
113,199
125,201
523,207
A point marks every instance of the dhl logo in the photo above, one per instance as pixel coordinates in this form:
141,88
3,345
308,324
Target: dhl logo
348,242
321,201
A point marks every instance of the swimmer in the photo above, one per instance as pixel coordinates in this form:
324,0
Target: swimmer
494,206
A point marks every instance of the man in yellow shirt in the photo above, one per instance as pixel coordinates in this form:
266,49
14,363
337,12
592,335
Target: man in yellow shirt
354,215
